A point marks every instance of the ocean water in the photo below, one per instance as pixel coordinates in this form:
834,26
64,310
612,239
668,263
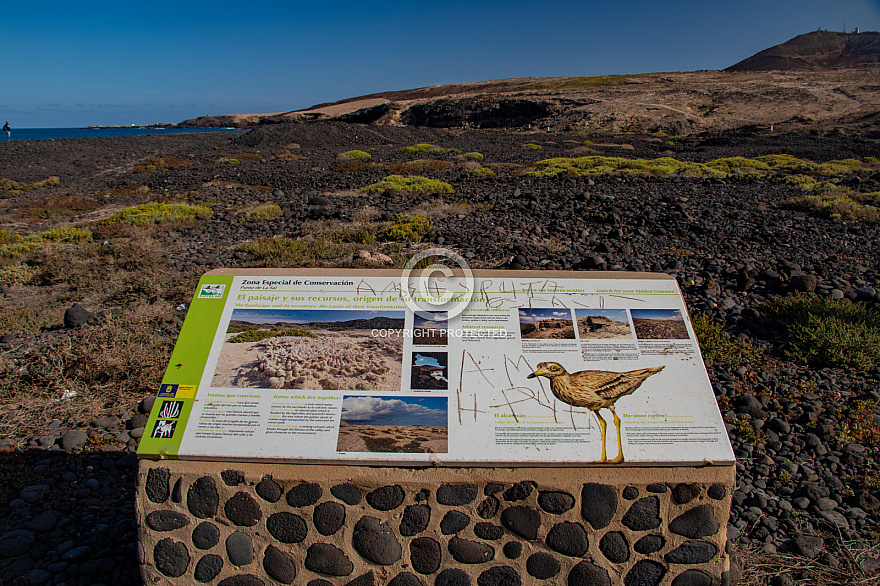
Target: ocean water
52,133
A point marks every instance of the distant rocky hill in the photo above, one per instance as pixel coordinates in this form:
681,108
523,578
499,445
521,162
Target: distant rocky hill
816,51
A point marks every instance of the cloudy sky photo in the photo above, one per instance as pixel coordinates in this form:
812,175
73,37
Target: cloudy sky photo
527,316
426,411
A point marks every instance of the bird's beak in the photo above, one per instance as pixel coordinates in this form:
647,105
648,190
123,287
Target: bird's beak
537,373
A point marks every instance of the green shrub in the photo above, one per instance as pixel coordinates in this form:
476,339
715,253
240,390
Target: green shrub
533,146
158,213
13,244
10,188
355,154
717,345
255,335
839,205
423,148
290,252
483,172
261,214
473,156
406,228
157,163
410,185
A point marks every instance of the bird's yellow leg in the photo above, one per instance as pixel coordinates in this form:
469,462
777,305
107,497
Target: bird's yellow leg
602,425
619,457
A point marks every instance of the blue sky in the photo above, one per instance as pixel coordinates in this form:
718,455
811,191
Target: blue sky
102,63
430,411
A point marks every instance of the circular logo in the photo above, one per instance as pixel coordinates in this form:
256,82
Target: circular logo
430,288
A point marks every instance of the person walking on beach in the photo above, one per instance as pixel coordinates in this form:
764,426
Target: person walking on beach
6,129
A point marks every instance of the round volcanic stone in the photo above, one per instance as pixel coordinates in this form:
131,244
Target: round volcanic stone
328,517
241,580
588,573
568,539
693,578
522,520
320,582
453,522
644,514
208,567
324,558
512,550
456,495
465,551
649,544
303,495
630,493
415,520
614,546
375,541
177,491
424,554
685,492
489,507
488,531
598,504
691,552
166,520
239,549
696,523
656,488
519,491
542,565
644,573
368,579
347,493
491,489
499,576
278,566
206,535
157,484
171,557
452,577
232,477
555,503
717,492
202,499
269,490
386,498
406,579
243,510
287,527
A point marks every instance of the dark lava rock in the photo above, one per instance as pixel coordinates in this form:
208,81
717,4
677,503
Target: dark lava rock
465,551
691,552
406,579
328,517
542,565
239,549
615,547
303,495
489,507
425,555
347,493
268,489
202,499
287,527
415,520
645,573
555,503
177,491
644,514
166,520
157,485
519,491
649,544
630,493
568,539
324,558
696,523
456,495
809,546
386,498
243,510
717,492
232,477
512,549
171,557
453,522
367,579
598,504
488,531
78,316
492,488
684,493
278,565
241,580
375,541
452,577
522,520
499,576
693,578
320,582
656,488
17,542
208,567
588,573
206,535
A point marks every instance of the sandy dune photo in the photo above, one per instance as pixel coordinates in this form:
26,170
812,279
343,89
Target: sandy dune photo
392,424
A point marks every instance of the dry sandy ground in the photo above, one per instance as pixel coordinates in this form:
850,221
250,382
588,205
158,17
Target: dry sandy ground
392,438
609,330
660,329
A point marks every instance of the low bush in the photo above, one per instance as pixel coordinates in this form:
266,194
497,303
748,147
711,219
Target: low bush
423,148
159,213
255,335
718,346
409,185
10,188
483,172
157,163
355,154
473,156
261,214
406,228
13,244
840,205
302,252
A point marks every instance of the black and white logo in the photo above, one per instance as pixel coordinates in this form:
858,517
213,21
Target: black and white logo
170,410
164,429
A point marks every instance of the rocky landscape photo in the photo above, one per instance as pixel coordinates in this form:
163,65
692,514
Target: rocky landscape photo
659,324
546,324
393,424
599,324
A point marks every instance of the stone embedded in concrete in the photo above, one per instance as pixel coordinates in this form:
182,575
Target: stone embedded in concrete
328,517
415,520
519,491
347,493
614,547
696,523
171,557
649,544
242,580
324,558
303,495
166,520
375,541
465,551
492,488
489,507
685,492
406,579
208,567
488,531
644,514
453,522
512,549
499,576
386,498
320,582
177,491
522,520
456,495
630,493
206,535
542,565
555,503
287,527
568,538
422,495
243,510
588,573
239,549
452,577
645,573
425,555
367,579
693,578
202,498
232,477
656,488
691,552
717,492
157,486
278,565
598,504
269,490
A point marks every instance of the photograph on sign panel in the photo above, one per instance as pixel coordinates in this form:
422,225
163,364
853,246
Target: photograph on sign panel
312,349
659,324
394,424
546,324
430,329
603,324
430,370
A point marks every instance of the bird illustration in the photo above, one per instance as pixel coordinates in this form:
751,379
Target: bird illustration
594,389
